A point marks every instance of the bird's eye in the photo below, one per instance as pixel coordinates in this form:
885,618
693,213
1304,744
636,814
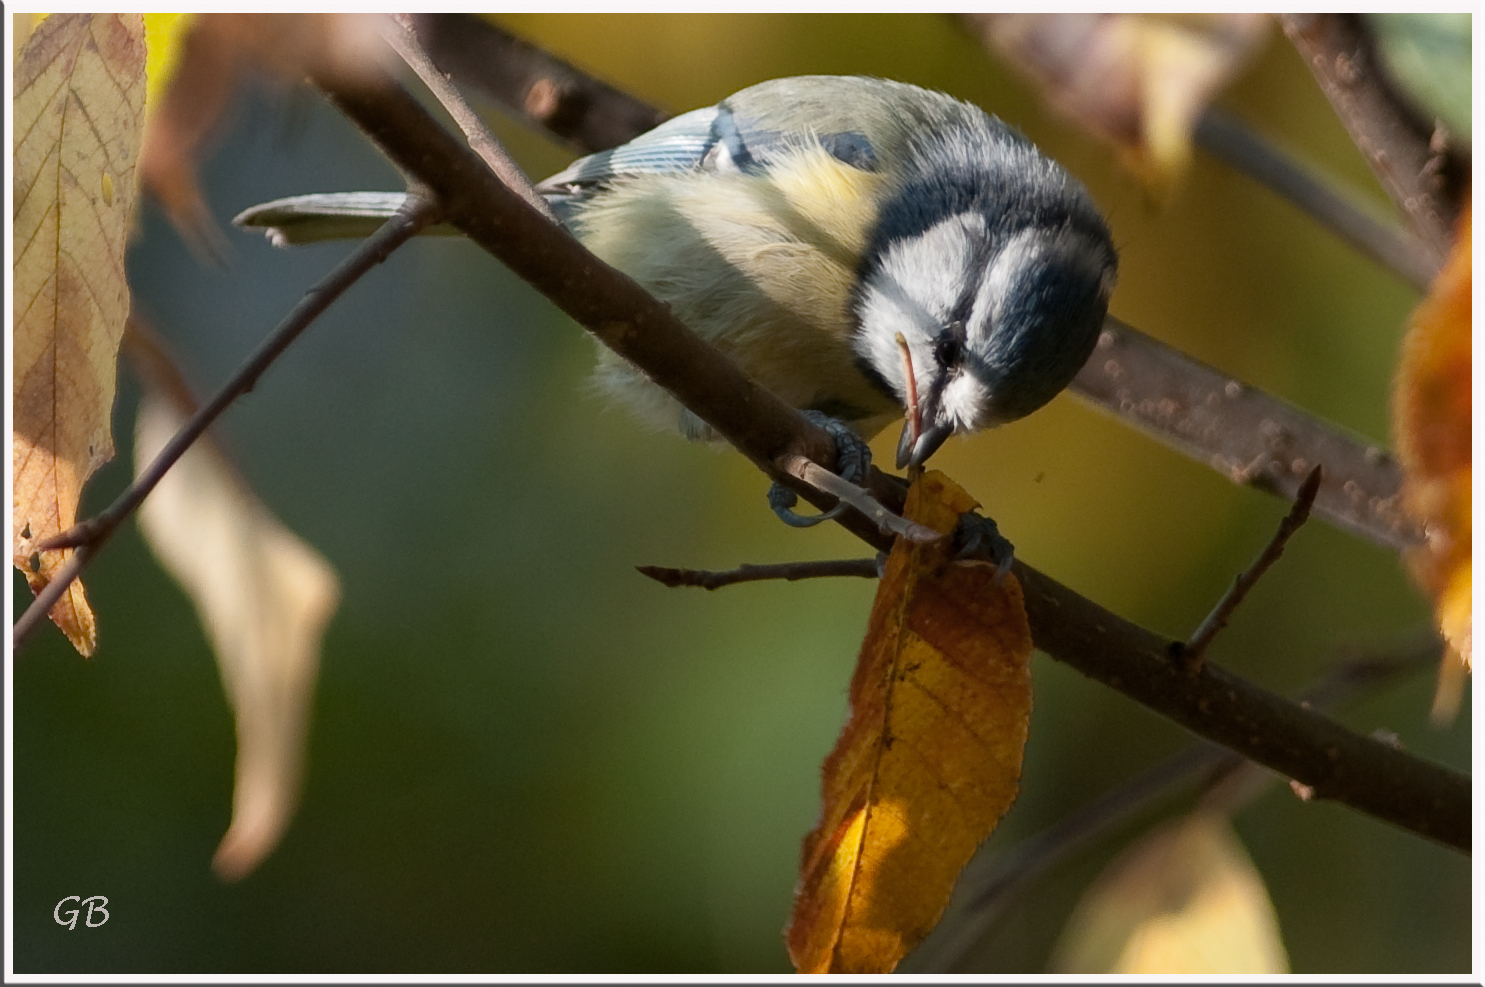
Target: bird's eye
949,345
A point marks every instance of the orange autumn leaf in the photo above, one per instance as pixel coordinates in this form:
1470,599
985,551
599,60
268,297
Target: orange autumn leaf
930,758
1431,410
79,107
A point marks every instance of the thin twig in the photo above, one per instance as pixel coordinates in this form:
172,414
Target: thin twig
1194,650
847,492
1232,141
990,891
749,573
1339,764
90,535
401,37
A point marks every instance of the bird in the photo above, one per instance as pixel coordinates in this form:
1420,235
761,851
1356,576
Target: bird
813,228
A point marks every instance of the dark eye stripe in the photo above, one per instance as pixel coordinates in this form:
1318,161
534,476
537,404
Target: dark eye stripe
948,346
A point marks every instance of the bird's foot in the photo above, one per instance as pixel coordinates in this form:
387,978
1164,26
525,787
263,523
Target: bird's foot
979,537
852,459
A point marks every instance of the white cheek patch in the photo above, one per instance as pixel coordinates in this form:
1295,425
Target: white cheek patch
966,403
913,291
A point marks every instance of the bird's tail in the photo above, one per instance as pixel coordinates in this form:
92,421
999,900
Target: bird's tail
326,216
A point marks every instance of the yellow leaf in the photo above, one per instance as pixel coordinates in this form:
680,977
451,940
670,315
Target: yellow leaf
1431,408
79,105
1185,899
930,758
1139,81
263,596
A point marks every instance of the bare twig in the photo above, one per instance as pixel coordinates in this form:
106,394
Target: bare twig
749,573
1229,139
1337,763
1399,151
399,35
1194,650
90,535
847,492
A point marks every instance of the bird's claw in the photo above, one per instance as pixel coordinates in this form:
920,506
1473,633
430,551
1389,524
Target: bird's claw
979,537
852,458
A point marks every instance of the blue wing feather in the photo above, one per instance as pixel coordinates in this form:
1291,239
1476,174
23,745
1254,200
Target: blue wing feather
709,139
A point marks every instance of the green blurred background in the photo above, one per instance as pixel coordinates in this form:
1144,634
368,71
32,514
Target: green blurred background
524,756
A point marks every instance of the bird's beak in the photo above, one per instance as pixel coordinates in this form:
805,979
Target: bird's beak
910,453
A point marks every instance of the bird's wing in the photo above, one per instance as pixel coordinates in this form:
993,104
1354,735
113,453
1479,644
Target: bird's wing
712,139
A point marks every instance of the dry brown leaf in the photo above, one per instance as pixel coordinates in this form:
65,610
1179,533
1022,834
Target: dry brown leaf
930,758
1431,424
264,598
1184,899
215,50
1139,81
79,106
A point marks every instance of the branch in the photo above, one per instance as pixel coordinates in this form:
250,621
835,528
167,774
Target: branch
546,92
399,35
750,573
603,300
1215,704
1251,437
1399,151
89,535
1235,428
1299,743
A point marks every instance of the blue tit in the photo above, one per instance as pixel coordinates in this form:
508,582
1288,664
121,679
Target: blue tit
809,226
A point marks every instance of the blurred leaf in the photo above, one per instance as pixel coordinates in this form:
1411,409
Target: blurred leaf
1427,56
262,595
1139,81
164,36
79,105
1184,899
1431,424
930,758
203,58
